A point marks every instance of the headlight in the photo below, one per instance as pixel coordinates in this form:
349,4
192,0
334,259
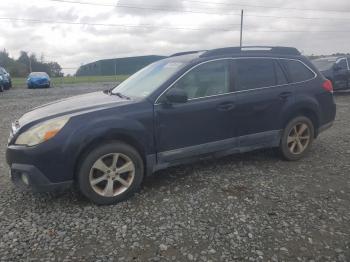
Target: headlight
41,132
1,77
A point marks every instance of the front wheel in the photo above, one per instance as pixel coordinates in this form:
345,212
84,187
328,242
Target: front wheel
297,138
111,173
1,88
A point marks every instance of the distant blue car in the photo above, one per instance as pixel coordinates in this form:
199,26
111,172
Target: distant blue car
38,80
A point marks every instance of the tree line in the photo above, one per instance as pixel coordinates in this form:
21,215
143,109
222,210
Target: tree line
27,63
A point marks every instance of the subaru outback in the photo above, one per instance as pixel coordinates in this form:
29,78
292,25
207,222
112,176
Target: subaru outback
189,106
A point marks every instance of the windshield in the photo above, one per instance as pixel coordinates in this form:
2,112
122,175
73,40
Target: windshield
324,64
148,79
38,74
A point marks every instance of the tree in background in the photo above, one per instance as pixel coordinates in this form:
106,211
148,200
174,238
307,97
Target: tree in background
27,63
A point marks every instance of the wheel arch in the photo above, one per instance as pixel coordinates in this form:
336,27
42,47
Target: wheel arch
109,138
307,112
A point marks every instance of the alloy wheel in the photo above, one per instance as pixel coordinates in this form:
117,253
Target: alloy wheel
298,138
112,174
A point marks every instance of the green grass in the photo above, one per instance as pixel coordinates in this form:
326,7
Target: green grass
60,81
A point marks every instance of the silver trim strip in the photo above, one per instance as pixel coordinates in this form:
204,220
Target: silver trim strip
239,91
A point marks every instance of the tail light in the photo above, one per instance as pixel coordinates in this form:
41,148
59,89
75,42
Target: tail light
328,86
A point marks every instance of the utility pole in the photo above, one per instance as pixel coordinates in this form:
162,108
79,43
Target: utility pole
30,64
241,33
115,70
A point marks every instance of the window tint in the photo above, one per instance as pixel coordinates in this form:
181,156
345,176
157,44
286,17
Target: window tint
297,71
212,78
255,73
342,63
280,76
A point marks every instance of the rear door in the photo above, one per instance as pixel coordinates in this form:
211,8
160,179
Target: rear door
262,91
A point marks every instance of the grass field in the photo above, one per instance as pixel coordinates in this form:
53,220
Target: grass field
71,80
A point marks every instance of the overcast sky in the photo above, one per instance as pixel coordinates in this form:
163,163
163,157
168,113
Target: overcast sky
190,25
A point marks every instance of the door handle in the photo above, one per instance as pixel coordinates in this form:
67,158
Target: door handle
226,106
285,95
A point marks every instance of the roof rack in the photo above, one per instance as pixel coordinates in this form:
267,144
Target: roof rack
187,53
252,49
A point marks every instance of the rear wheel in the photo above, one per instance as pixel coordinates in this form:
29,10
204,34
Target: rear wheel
111,173
297,138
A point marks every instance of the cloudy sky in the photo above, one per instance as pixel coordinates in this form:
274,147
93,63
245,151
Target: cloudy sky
77,33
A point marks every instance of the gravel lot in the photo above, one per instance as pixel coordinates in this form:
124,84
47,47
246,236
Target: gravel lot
252,206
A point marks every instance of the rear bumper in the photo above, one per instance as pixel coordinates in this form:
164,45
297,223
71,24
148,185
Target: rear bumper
29,177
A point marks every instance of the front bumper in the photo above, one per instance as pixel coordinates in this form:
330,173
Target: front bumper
47,166
29,177
37,84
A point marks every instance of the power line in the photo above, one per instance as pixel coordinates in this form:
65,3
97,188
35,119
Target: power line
269,7
199,12
139,7
112,25
299,17
177,28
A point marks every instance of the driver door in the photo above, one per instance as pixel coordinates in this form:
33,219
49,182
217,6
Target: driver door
202,125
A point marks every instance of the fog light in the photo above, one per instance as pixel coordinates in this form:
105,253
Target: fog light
25,179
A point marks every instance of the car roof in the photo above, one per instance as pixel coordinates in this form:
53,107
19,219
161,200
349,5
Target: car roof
38,72
246,51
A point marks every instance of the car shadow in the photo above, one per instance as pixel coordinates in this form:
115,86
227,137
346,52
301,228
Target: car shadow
173,174
162,178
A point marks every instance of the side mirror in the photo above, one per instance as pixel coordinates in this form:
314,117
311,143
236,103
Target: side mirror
108,91
176,95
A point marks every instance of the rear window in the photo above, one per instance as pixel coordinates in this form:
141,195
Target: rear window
297,71
256,73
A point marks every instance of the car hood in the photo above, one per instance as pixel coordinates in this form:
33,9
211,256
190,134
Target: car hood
73,105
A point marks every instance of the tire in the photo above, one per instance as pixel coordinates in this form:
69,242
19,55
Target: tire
297,138
2,88
94,183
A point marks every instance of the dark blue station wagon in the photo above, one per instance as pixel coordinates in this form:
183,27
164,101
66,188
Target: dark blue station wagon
189,106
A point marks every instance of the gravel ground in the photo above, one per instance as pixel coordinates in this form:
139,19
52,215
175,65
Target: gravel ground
251,207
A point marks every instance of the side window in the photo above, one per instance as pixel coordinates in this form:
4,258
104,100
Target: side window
254,73
211,78
297,70
279,74
342,64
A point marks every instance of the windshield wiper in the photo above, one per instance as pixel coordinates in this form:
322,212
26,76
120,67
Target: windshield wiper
119,94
